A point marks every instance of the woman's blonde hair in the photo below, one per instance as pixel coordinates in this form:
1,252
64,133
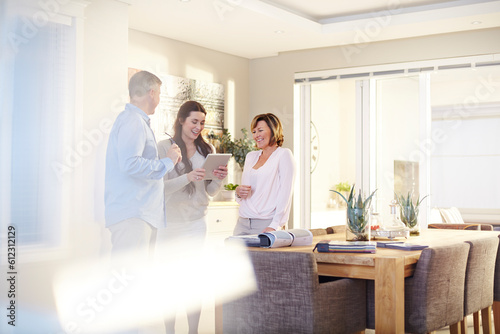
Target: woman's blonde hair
274,124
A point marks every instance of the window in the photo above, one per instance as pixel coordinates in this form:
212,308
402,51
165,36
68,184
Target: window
436,120
38,122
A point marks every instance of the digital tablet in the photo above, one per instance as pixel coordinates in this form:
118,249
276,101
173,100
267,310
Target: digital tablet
213,161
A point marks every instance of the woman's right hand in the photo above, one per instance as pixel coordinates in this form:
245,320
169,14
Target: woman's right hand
243,191
196,175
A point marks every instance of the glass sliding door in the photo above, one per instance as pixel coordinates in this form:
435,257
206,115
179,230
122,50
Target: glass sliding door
401,161
362,132
332,149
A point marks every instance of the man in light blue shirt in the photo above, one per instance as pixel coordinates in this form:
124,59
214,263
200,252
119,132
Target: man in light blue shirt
134,198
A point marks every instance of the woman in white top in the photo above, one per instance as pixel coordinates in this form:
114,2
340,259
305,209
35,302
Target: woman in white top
265,193
186,193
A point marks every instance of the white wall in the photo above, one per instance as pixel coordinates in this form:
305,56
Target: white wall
104,95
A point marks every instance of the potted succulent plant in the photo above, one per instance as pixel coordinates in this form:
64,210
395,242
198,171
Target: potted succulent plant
409,212
229,191
358,216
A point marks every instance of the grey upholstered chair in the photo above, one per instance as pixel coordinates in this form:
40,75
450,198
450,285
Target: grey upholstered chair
318,231
496,295
291,300
479,279
434,294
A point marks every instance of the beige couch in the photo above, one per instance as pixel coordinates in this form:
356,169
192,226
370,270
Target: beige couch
452,219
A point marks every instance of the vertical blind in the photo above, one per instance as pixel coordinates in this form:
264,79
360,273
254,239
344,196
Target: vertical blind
41,109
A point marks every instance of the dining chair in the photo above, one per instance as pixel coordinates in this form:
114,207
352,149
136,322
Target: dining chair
479,281
434,294
318,231
496,295
336,229
291,300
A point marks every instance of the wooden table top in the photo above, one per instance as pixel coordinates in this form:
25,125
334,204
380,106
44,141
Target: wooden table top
429,237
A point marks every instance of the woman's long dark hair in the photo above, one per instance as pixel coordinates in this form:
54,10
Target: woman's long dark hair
201,145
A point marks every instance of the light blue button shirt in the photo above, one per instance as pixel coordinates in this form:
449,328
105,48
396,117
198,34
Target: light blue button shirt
134,173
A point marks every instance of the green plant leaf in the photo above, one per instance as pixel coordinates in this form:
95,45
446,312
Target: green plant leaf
343,186
230,186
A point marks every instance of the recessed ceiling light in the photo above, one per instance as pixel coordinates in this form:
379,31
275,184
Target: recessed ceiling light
279,32
184,0
476,22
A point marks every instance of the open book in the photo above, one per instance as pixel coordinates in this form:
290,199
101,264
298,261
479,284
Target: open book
283,238
280,238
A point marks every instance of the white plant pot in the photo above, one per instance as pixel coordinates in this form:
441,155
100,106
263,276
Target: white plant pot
228,195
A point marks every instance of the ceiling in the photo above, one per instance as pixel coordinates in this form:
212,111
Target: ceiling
263,28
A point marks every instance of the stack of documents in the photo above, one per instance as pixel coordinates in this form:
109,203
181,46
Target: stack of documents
333,246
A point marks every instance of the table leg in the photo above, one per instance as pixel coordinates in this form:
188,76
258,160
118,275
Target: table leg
496,316
389,295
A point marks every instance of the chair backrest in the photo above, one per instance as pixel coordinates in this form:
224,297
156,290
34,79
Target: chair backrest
496,290
318,231
287,285
335,229
479,279
434,294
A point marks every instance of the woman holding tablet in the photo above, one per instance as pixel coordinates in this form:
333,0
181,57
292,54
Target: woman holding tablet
265,193
186,191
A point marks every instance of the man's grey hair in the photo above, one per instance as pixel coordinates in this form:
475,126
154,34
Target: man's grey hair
141,83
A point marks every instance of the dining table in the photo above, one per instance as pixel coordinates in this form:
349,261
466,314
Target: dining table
388,268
